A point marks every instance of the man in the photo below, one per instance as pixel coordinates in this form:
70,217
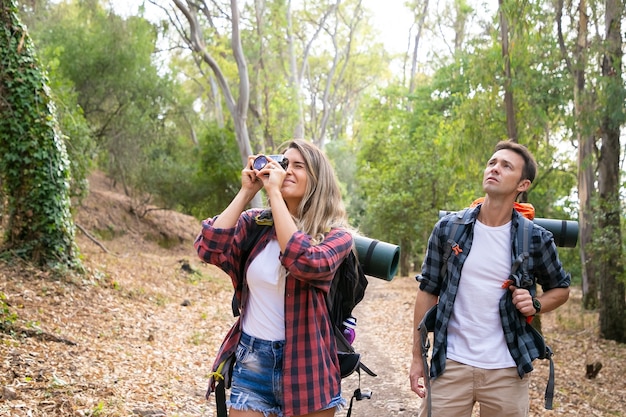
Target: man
471,361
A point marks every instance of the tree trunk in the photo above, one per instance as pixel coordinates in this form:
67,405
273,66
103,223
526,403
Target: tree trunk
34,165
586,173
586,148
511,124
585,218
295,79
421,18
612,291
239,108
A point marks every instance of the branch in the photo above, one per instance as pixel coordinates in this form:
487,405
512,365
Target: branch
93,239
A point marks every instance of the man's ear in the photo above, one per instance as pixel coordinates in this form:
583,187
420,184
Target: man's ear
523,185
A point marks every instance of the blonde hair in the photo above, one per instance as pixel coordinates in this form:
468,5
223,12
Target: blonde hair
321,208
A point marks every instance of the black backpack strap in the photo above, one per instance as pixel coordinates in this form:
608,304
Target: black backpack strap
520,276
220,399
262,220
223,376
453,238
427,325
549,395
358,395
524,231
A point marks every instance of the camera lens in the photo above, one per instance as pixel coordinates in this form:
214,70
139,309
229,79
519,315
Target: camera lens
259,162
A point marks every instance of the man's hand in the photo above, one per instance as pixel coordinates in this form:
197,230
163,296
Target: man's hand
523,301
416,375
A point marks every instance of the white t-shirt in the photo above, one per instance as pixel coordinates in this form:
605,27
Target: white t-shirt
475,335
265,312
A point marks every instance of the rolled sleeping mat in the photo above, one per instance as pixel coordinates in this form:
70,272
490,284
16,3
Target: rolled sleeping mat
378,259
565,232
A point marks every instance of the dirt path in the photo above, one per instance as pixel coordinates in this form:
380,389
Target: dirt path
384,340
144,331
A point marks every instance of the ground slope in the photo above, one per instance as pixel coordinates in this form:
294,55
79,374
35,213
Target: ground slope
136,335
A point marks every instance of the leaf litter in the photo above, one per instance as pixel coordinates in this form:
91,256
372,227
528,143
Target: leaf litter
137,334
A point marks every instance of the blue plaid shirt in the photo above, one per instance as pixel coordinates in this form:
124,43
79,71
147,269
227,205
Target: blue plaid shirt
543,264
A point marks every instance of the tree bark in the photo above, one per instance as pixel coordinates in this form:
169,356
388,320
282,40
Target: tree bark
612,291
34,164
237,108
509,106
421,18
586,151
295,78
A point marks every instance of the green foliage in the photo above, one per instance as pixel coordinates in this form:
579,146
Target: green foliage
399,177
200,181
218,174
411,165
76,135
33,158
106,65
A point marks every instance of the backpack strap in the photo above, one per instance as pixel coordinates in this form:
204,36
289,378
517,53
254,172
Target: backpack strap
261,220
220,399
427,325
358,395
428,321
453,237
519,257
520,261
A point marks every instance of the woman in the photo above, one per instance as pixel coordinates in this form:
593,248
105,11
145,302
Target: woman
286,360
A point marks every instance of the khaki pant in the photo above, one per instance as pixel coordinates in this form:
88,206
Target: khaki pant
500,392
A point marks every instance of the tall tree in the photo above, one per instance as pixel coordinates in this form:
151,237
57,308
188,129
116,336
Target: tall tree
193,33
420,20
577,65
33,159
612,282
509,104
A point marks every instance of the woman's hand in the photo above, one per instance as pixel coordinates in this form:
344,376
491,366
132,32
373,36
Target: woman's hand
271,176
249,177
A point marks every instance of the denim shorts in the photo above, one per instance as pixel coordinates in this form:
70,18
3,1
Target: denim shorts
257,382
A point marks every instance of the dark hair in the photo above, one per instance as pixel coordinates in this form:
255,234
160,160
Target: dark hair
530,165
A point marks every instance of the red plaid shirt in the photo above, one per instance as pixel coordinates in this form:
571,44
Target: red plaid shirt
310,366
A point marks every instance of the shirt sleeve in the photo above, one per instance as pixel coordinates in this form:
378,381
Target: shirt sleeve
430,279
222,246
548,268
316,264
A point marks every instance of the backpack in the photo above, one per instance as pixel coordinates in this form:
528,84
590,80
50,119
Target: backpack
346,291
519,277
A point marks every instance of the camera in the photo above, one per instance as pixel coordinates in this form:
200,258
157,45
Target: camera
262,160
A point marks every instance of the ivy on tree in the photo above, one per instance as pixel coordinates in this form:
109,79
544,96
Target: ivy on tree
34,166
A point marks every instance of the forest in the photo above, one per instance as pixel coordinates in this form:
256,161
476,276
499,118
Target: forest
168,101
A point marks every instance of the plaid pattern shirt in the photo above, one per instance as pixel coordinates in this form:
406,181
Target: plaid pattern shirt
310,367
543,264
